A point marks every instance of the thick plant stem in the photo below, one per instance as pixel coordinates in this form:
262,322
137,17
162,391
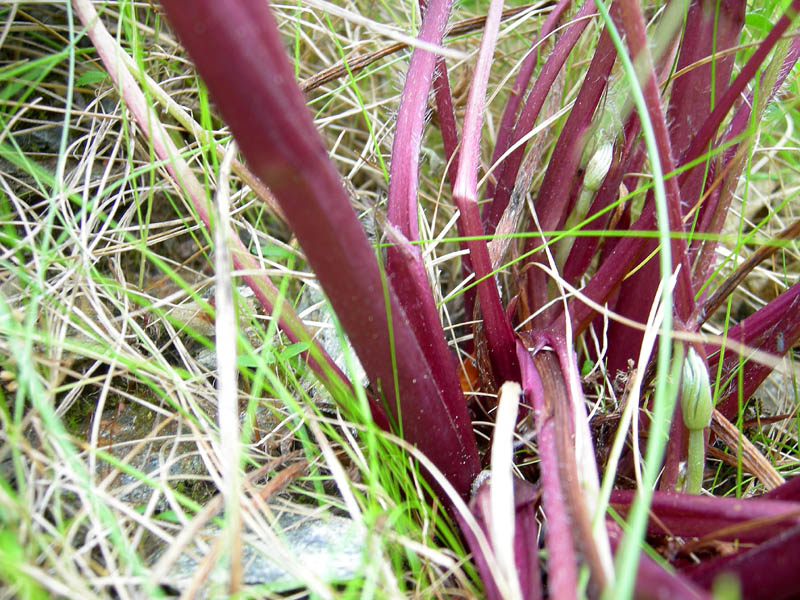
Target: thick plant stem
563,571
404,266
499,335
252,83
696,461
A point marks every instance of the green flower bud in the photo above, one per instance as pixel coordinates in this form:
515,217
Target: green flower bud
696,402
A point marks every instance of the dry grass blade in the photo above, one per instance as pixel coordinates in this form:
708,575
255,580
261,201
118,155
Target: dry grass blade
501,492
358,62
753,461
227,379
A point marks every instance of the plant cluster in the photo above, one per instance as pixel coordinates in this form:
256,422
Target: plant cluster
603,244
668,105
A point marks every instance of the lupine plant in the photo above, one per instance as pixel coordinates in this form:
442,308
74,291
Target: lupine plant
611,232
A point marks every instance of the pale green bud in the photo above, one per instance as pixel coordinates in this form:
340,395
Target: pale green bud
598,166
696,401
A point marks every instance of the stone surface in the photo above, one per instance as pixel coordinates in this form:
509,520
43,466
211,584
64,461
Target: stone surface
329,548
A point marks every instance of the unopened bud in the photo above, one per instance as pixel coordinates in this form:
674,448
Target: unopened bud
598,167
696,401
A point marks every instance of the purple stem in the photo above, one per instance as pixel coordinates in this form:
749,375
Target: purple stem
689,515
521,82
741,118
526,544
404,266
788,491
584,248
774,329
608,277
712,26
507,174
560,182
499,336
401,208
251,80
447,119
712,216
562,563
449,130
638,292
409,280
634,27
653,582
768,571
711,125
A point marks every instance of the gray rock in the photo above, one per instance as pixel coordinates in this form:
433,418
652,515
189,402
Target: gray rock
328,548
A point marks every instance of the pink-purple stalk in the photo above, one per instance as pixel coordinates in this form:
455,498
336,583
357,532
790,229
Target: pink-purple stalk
390,315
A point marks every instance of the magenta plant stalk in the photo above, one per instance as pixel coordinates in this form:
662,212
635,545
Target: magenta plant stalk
403,183
765,572
499,336
563,570
404,267
726,102
287,153
511,132
751,520
772,329
654,582
526,533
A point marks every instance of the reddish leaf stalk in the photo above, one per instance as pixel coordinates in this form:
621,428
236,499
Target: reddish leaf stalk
560,184
636,35
401,208
404,266
653,582
768,571
449,130
689,515
409,280
576,463
608,278
506,174
526,544
741,119
279,140
562,564
712,27
446,115
775,329
551,202
584,248
506,127
711,125
499,335
713,215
